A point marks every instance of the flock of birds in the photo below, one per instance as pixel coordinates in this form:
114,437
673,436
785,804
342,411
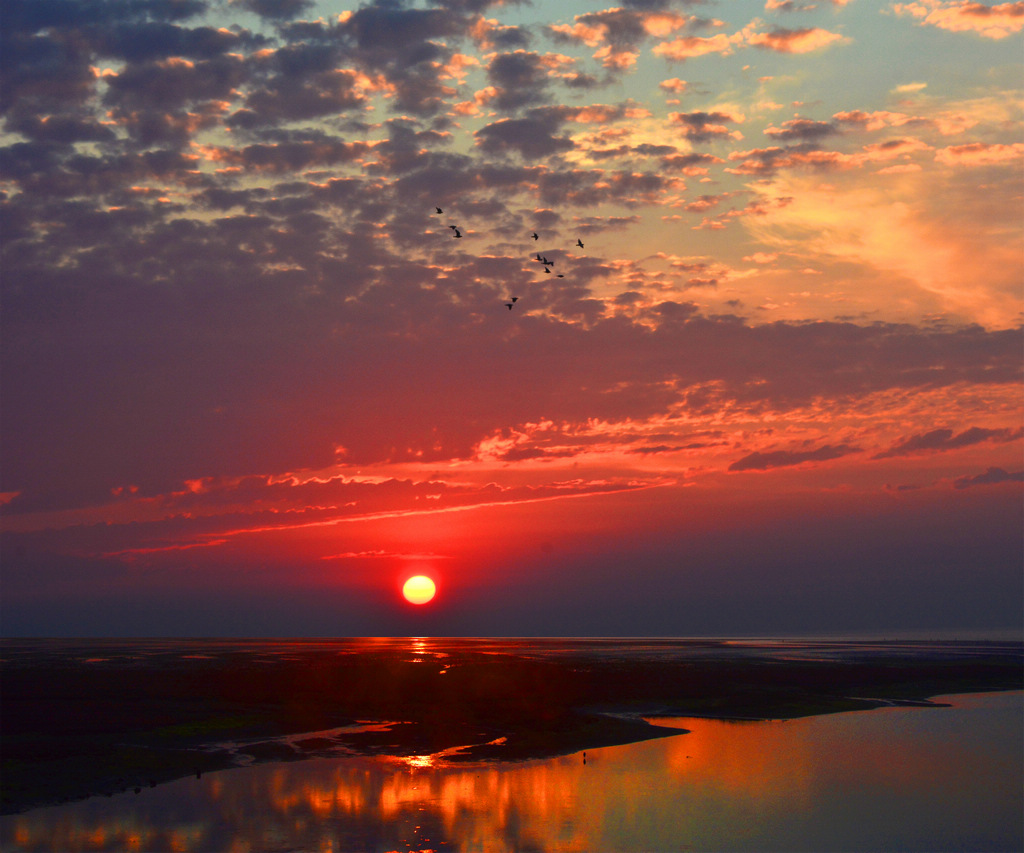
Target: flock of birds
542,259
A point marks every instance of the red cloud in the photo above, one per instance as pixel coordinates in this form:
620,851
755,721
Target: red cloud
787,458
939,440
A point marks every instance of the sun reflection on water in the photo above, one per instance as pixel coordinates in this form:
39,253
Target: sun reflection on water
720,785
419,761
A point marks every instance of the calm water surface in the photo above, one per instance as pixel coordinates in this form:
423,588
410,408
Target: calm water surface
929,779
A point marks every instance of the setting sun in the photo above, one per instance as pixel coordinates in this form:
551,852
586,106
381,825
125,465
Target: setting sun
419,589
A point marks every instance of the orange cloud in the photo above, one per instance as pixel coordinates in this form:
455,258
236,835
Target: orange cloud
891,149
673,85
959,16
979,154
804,40
688,47
590,34
616,33
878,228
874,120
765,161
616,59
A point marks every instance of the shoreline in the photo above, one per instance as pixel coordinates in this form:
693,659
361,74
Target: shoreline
72,731
314,745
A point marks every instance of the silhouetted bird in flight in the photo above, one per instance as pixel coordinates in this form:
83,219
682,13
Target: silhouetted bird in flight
453,227
561,276
534,235
508,305
515,298
458,233
438,210
579,242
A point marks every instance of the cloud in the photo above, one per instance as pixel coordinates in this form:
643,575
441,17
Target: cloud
674,85
517,79
980,154
277,10
992,476
699,126
230,306
689,47
762,461
796,6
807,155
805,130
874,120
622,31
380,554
941,440
802,40
533,137
618,33
691,164
490,35
778,39
879,226
995,22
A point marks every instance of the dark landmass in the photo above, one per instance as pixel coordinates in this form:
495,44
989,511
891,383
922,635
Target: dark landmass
71,727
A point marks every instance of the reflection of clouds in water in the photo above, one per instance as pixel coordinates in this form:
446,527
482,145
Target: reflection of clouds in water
815,782
355,804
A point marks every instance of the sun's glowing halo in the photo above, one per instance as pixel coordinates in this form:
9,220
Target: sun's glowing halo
419,589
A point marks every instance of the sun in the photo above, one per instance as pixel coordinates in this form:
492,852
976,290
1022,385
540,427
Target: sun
419,589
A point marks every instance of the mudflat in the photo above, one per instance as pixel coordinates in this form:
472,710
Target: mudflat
85,718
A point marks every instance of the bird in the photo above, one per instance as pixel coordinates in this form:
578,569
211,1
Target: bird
534,235
515,298
458,233
560,276
453,227
579,242
508,305
438,210
547,269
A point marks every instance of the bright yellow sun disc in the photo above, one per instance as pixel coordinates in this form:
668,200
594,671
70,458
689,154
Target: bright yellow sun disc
419,589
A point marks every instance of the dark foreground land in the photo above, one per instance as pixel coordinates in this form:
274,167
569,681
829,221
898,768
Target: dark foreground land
79,719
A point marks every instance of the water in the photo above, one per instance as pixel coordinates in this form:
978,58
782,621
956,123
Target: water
15,652
929,779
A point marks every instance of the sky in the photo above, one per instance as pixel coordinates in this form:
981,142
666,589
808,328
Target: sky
769,381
